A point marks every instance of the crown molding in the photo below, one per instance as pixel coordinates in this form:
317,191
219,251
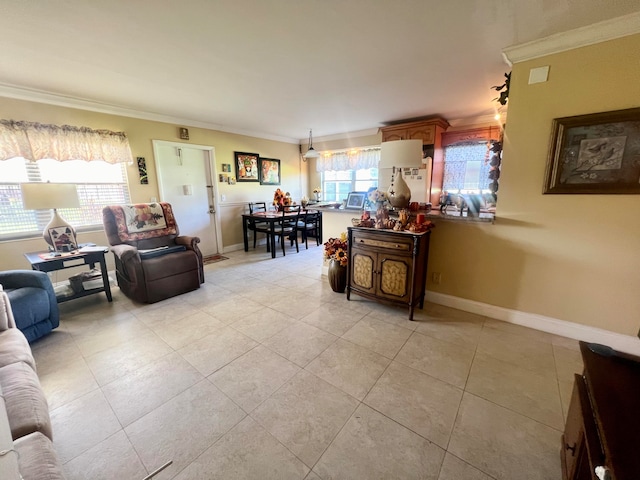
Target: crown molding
472,122
39,96
580,37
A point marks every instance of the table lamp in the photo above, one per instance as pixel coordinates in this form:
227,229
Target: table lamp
400,154
45,196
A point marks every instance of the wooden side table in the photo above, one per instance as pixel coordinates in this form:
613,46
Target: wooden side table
43,262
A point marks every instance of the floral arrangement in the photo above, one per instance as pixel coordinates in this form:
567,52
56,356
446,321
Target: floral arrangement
378,196
280,198
336,249
317,190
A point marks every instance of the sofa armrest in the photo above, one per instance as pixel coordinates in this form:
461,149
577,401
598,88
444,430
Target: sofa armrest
25,278
14,279
6,315
126,253
128,263
190,242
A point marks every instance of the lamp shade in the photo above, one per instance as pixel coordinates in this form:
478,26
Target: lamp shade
41,196
311,153
401,153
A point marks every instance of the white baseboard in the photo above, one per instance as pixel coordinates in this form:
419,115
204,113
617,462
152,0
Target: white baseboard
617,341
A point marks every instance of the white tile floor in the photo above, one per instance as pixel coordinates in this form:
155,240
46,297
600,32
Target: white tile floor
266,373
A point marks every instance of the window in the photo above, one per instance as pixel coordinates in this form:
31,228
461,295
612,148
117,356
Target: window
345,171
98,184
469,164
466,169
337,184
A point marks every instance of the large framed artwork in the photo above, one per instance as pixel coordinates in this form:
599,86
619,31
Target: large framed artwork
269,171
246,166
595,153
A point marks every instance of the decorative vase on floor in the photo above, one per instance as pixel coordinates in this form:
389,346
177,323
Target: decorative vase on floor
337,276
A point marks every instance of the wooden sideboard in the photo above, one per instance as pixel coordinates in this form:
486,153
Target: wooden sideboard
388,266
603,422
430,132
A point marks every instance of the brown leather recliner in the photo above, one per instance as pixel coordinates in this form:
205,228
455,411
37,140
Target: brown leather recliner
153,261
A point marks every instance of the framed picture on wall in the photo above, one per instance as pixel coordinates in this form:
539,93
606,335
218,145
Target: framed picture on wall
269,169
246,166
595,153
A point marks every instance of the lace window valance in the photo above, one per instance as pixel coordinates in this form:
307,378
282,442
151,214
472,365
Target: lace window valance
357,159
36,141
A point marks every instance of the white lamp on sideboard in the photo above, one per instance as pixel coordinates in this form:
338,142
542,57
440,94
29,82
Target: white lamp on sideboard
399,154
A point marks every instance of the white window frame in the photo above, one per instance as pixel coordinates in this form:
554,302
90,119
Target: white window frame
352,179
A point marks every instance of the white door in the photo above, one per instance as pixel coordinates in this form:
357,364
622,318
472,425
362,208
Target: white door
185,180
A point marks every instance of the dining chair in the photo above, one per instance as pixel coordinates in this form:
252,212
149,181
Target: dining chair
287,226
256,226
309,226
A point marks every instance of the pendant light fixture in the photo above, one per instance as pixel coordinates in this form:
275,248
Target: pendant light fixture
311,153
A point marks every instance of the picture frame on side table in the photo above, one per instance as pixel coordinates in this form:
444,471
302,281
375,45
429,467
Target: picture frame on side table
246,166
64,239
269,170
595,153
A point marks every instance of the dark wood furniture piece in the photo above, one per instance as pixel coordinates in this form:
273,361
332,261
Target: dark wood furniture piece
310,225
388,266
52,264
603,422
430,132
287,227
257,226
273,219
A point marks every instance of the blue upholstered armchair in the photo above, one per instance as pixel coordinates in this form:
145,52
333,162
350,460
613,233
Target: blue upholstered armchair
33,301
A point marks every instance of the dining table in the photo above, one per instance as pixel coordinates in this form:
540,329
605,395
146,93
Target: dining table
271,218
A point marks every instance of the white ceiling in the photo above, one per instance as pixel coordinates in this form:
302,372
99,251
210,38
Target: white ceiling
276,68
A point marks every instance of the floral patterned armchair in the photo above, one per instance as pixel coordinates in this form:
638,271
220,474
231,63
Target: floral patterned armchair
153,261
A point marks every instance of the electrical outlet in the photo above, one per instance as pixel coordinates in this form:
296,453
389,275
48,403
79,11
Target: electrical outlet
436,278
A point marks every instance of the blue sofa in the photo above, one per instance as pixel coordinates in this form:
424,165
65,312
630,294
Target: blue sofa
33,302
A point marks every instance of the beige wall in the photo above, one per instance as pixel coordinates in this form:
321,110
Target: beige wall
141,133
569,257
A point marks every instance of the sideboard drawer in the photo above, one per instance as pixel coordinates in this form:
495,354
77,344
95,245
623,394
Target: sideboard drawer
392,245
